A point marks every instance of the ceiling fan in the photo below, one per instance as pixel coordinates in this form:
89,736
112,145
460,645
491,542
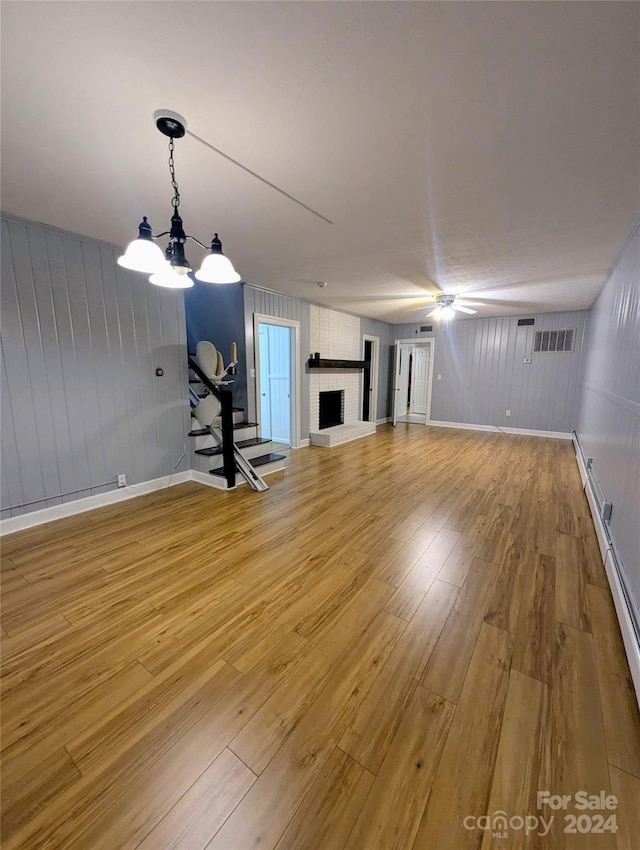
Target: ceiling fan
446,303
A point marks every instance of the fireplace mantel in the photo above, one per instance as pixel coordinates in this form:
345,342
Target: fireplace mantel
336,364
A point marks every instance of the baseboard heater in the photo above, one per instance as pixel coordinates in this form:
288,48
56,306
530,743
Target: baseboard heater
601,510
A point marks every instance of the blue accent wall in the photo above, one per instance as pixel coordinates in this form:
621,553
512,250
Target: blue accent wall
216,313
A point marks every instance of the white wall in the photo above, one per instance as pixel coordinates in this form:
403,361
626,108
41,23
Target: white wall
608,425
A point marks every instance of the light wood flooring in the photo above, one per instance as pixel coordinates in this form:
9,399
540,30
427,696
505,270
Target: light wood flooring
403,632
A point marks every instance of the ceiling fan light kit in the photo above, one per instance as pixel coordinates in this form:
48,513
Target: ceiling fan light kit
172,268
446,307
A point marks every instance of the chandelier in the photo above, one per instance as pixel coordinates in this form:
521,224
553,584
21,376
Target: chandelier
171,268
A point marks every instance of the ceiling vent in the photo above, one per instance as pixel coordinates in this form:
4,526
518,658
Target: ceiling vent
553,341
425,329
522,322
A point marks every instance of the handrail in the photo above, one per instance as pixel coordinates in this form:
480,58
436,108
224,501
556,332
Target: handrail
226,414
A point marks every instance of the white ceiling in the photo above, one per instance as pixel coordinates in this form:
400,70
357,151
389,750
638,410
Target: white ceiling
486,149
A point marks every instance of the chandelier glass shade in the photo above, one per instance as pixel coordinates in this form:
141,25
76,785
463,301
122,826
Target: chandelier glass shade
172,268
216,268
170,278
142,255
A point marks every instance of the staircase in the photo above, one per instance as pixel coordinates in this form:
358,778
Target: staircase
233,454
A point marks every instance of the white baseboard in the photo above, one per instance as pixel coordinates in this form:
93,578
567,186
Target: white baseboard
215,481
582,469
629,637
383,420
303,444
79,506
527,432
625,619
601,532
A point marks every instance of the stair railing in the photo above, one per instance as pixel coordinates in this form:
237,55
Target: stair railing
232,457
225,398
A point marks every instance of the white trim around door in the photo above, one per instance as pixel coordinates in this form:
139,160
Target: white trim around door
400,377
373,374
296,367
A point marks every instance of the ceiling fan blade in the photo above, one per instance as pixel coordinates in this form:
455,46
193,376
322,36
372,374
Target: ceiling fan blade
433,310
464,309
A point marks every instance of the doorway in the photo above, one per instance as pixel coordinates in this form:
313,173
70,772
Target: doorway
277,392
412,379
370,353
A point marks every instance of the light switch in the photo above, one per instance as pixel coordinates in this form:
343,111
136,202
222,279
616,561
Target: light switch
439,377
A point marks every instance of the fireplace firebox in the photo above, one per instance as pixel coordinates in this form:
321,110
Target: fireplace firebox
331,408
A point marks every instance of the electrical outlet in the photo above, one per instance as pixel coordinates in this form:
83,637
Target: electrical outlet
439,377
508,413
122,480
252,373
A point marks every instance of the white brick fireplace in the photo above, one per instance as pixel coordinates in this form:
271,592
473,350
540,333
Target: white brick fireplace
336,336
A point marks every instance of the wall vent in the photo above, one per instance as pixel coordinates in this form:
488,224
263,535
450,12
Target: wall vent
425,329
553,341
522,322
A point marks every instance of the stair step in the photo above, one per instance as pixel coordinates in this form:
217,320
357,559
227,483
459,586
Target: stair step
253,441
236,412
271,457
241,444
262,460
244,425
199,432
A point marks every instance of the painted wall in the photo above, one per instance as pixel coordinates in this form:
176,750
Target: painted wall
216,313
609,418
268,303
386,334
283,307
81,339
483,373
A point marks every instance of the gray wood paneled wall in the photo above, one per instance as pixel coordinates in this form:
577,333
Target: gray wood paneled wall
81,340
609,419
385,332
481,362
268,303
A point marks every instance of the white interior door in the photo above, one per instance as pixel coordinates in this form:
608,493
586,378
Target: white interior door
420,380
401,363
275,382
421,355
396,410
